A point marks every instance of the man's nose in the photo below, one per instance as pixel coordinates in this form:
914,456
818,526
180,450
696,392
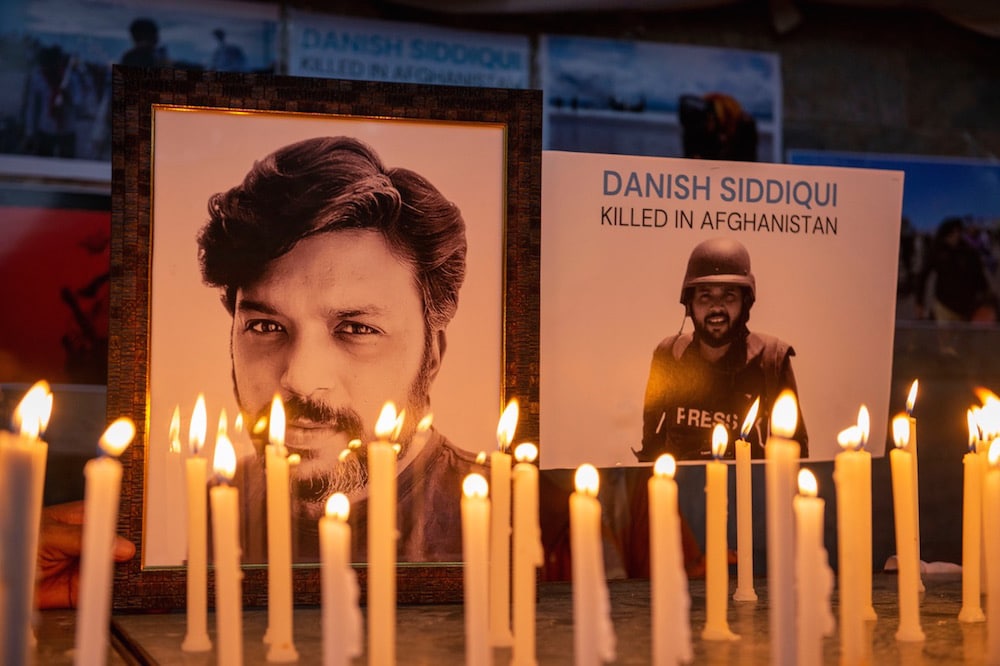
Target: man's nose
306,368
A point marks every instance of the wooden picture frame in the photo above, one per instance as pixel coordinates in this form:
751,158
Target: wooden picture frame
154,142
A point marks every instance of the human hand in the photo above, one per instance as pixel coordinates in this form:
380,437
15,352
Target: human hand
60,543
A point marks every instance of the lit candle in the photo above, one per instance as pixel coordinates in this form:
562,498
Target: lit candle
716,543
499,592
475,569
991,512
224,499
848,475
782,463
864,508
528,552
972,505
813,576
901,463
279,639
22,478
196,472
911,399
671,600
593,634
382,540
102,488
744,511
341,615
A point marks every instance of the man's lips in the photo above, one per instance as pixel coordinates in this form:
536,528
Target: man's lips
305,437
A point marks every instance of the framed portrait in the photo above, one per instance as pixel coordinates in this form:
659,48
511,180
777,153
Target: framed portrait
437,311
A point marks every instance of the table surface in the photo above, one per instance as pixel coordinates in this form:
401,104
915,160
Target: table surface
434,634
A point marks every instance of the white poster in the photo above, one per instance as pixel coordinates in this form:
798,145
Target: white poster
815,249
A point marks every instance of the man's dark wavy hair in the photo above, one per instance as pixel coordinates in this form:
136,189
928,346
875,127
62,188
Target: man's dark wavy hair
329,184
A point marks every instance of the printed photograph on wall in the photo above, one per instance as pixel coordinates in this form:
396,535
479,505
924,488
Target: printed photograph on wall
676,292
629,97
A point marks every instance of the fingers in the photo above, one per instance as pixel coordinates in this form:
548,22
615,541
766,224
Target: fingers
69,512
124,550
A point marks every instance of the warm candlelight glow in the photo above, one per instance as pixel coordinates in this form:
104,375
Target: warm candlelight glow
785,415
224,463
665,466
994,454
386,423
481,458
507,425
223,422
475,485
174,433
118,436
849,438
31,416
750,419
911,398
338,506
238,422
988,416
720,439
276,424
587,480
971,421
525,452
864,425
807,483
901,431
199,425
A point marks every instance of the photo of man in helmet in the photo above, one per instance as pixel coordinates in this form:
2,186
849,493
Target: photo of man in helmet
714,373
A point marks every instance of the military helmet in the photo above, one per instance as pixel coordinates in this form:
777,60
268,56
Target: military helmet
719,261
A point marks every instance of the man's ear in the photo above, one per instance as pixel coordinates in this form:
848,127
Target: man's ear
435,353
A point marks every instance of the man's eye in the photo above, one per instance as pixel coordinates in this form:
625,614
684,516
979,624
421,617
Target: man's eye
355,328
264,326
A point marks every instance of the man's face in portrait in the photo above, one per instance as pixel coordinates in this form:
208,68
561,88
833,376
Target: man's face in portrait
715,309
336,327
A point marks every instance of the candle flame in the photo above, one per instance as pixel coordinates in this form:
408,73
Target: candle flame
199,424
481,458
276,424
901,431
238,422
342,456
750,419
223,422
338,506
720,439
475,485
354,444
525,452
911,398
864,425
807,483
587,479
425,423
507,425
665,465
175,430
785,415
386,423
224,462
988,417
118,436
994,455
31,416
971,421
849,438
260,425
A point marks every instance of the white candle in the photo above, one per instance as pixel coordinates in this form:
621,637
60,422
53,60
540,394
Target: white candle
527,552
744,511
224,499
782,464
593,633
22,478
475,569
848,475
671,599
991,512
500,529
196,476
382,540
341,615
901,463
912,447
100,517
865,517
716,542
279,639
972,506
813,577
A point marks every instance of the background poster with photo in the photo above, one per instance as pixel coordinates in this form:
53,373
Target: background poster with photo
623,96
57,58
341,47
614,258
199,153
938,189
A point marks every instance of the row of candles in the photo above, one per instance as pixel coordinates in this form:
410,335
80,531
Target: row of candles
494,553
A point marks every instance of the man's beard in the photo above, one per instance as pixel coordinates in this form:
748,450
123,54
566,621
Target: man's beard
716,339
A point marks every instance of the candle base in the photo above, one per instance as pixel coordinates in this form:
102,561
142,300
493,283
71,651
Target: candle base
197,643
282,655
971,615
910,634
744,594
718,634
